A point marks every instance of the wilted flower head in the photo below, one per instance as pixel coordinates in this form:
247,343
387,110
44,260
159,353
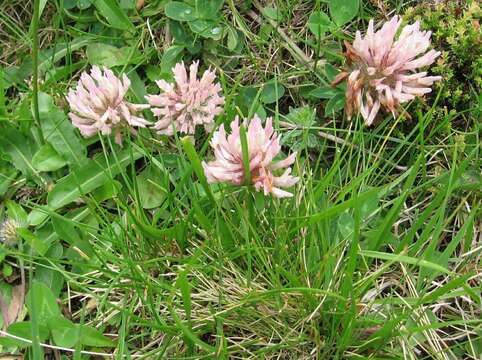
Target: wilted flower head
188,102
263,146
383,71
98,104
8,231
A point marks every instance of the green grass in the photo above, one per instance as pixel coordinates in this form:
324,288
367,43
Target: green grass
378,254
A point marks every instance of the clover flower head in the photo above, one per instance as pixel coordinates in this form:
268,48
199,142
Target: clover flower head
384,70
8,231
263,145
98,105
187,102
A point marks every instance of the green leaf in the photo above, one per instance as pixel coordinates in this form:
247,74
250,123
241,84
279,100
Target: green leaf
90,336
7,175
180,11
441,291
110,56
16,212
47,159
190,335
38,215
470,180
346,225
248,101
272,13
303,116
170,57
225,234
2,254
128,4
42,6
47,60
65,229
92,175
83,4
62,72
7,270
319,23
342,11
272,92
69,4
338,209
183,284
19,148
179,33
138,89
45,272
151,193
64,332
38,245
368,207
197,167
114,14
324,92
207,28
58,130
443,258
154,232
41,300
107,191
233,38
335,104
208,9
383,231
49,57
331,72
403,259
23,330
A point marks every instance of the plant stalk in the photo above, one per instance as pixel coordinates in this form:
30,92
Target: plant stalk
35,48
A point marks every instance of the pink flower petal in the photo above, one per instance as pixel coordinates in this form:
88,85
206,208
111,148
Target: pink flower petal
98,106
263,146
383,70
188,102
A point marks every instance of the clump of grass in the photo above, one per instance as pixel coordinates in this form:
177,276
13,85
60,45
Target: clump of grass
128,252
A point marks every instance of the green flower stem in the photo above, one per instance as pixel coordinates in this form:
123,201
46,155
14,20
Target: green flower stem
35,45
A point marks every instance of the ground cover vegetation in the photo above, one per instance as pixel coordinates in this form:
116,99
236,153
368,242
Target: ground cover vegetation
240,179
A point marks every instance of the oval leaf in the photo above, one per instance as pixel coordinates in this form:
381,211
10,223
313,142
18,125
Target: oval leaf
58,130
87,178
19,149
272,91
179,11
64,332
208,9
150,191
90,336
343,11
23,330
33,241
325,92
41,300
319,23
335,104
171,56
47,159
110,56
